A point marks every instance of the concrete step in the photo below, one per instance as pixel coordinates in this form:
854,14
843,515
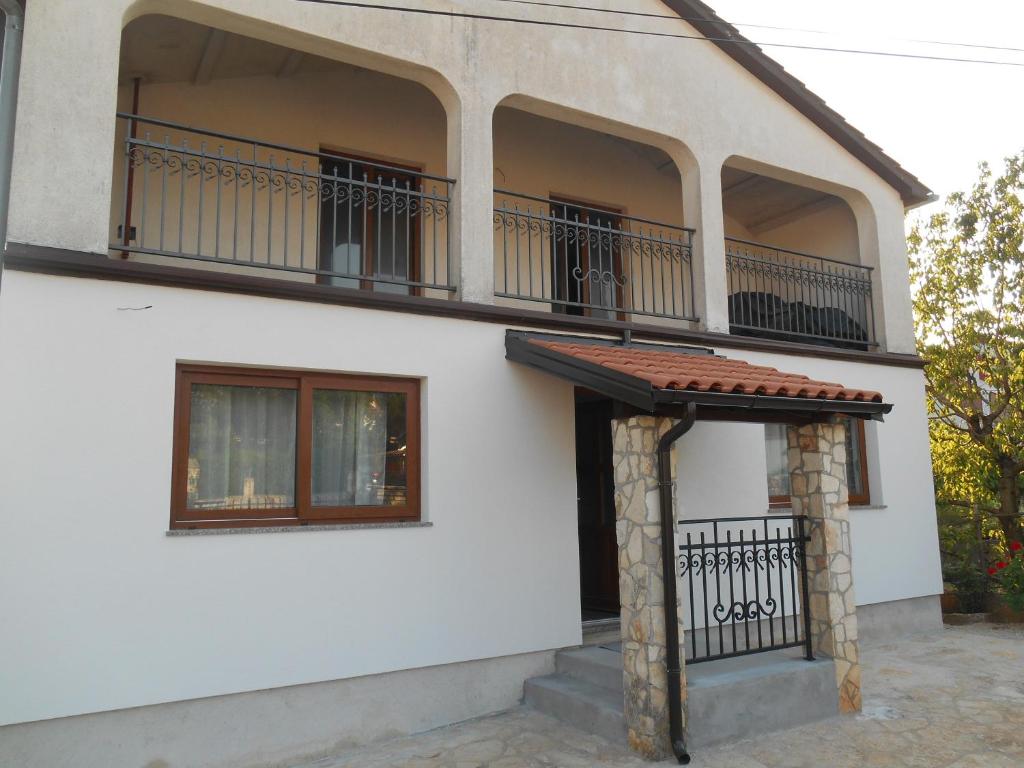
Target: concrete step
752,695
579,703
601,631
593,664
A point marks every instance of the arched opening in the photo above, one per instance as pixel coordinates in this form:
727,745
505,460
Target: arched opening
793,261
587,222
239,154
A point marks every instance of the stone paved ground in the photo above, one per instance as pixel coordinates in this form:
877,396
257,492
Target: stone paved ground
955,700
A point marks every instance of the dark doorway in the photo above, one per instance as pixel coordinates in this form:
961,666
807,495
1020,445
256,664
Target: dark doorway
586,264
595,495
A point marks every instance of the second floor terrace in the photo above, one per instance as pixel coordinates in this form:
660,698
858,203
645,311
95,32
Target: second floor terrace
265,161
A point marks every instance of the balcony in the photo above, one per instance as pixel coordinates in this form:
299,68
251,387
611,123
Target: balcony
342,184
792,256
580,260
775,293
239,202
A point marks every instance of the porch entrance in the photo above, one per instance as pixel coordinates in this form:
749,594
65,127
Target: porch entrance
595,499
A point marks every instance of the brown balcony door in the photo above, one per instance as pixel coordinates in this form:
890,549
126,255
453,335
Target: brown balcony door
586,264
595,489
368,226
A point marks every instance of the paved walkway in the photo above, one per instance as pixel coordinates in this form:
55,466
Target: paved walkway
953,701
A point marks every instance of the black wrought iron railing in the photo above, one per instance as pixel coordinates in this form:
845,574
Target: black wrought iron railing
591,261
341,220
785,294
745,586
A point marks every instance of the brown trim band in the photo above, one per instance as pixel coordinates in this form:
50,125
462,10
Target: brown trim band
56,261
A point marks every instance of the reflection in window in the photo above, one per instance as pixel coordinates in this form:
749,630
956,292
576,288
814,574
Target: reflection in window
776,451
777,454
359,448
856,462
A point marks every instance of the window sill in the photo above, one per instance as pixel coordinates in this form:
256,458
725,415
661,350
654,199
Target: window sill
869,507
295,528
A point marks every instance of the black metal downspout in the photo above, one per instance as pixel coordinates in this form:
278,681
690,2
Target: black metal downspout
668,575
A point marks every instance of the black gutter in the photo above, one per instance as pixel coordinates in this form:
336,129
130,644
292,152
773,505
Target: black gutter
668,576
859,408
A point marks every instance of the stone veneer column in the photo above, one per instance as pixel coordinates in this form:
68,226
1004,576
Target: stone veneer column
641,589
817,464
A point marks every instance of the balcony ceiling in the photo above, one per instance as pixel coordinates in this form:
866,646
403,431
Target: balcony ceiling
163,49
761,203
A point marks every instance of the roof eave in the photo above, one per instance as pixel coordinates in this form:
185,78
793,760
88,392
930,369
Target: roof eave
642,395
619,386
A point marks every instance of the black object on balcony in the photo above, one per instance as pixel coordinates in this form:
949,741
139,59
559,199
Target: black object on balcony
774,293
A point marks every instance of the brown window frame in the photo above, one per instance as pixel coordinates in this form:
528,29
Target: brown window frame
861,443
303,512
782,501
855,499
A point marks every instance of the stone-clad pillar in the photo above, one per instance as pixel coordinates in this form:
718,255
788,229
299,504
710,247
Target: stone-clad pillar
641,589
817,464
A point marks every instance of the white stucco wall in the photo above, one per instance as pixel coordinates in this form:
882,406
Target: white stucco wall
110,612
105,611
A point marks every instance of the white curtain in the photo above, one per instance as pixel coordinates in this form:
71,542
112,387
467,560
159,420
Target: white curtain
241,447
350,432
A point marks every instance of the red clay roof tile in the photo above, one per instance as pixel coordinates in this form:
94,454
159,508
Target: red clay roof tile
666,369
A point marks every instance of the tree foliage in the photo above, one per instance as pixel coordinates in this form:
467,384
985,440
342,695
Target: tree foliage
967,267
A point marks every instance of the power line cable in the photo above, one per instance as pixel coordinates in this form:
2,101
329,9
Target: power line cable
677,17
671,35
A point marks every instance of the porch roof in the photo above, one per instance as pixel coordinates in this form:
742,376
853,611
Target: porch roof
659,378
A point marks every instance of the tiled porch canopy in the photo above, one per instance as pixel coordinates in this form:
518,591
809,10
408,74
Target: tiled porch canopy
659,378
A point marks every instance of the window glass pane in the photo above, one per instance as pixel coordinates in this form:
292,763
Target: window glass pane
368,224
241,452
342,213
777,450
359,448
854,470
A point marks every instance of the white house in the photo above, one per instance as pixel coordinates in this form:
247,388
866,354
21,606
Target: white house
337,345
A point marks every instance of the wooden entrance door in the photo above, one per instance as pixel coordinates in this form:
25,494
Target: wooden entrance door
599,568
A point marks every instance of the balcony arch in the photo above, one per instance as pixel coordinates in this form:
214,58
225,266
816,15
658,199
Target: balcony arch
589,215
800,257
243,153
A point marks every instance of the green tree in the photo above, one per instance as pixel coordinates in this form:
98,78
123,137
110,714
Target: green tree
967,267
